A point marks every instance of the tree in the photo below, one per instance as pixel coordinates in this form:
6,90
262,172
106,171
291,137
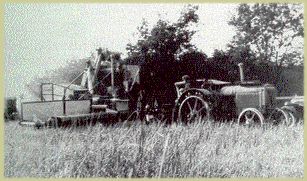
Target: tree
165,41
193,63
220,56
270,30
161,51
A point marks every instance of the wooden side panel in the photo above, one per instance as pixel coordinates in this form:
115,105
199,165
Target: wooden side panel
78,107
122,105
47,109
41,110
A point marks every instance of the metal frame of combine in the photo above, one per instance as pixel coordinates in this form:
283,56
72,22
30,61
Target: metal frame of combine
75,104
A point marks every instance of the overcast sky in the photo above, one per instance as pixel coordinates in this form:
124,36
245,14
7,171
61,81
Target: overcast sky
41,37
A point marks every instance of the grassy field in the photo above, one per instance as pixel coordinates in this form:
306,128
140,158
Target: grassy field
155,150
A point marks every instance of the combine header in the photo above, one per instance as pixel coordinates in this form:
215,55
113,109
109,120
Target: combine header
62,105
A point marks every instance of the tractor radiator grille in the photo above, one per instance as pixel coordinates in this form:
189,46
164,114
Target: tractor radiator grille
249,99
270,94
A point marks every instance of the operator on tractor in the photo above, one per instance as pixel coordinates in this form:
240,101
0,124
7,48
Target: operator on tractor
185,84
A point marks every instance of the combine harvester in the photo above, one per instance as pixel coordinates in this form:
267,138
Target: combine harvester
78,105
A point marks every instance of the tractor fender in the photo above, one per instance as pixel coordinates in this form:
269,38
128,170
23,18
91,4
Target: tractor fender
207,95
290,108
296,110
204,93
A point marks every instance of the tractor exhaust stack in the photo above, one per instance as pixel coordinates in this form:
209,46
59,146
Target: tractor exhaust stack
241,72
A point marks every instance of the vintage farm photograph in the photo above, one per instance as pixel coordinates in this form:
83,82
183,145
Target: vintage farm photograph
165,90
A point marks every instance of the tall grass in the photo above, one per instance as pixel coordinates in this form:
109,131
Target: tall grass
155,150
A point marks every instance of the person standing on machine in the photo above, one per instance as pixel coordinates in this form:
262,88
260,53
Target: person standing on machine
133,92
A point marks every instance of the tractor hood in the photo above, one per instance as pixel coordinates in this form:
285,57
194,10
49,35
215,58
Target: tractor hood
235,89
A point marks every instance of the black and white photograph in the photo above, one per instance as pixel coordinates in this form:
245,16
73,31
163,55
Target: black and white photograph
153,90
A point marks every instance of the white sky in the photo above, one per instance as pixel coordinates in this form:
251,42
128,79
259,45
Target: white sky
41,37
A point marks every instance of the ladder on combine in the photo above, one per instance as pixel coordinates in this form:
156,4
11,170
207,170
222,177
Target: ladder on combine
89,76
47,91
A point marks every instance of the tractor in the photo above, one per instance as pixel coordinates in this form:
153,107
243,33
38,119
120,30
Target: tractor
246,102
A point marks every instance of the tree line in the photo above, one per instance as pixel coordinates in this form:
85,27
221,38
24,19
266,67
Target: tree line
268,40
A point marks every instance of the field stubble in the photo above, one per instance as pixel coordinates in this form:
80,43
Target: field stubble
154,150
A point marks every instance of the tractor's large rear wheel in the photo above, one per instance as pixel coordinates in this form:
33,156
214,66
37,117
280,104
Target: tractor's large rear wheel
193,108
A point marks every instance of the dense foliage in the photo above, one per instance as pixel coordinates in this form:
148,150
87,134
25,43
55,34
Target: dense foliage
270,31
166,41
265,43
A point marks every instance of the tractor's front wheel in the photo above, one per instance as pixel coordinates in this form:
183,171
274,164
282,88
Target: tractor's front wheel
251,117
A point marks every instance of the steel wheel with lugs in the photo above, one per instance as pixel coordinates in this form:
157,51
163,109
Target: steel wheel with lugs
193,108
281,116
251,117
